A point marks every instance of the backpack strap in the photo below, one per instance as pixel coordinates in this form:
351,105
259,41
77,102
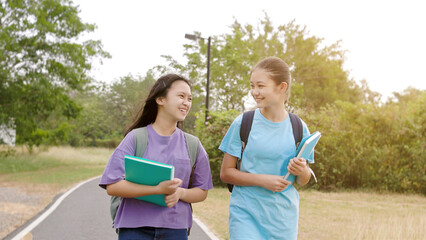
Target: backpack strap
193,146
245,129
297,126
141,141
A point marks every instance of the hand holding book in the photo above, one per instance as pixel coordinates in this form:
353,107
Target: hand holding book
304,151
169,186
172,199
297,166
147,172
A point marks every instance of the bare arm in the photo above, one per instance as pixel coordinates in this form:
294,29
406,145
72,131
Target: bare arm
230,174
128,189
299,168
191,195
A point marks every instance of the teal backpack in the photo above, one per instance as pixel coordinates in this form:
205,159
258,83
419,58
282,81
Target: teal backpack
141,141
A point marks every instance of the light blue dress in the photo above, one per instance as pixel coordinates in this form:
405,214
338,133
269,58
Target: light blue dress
255,212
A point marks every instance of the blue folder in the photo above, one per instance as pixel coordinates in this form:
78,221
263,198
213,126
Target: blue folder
305,148
307,145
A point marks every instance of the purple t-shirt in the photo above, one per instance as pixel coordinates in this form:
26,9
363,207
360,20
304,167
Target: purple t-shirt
172,150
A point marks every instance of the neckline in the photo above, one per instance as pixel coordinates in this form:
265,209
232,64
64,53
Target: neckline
269,122
161,136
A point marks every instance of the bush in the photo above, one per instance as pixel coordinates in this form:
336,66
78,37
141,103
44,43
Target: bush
211,135
370,146
363,146
107,143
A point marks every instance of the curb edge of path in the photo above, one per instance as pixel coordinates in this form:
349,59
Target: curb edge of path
20,233
28,226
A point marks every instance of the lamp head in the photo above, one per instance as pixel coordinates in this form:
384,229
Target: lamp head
191,37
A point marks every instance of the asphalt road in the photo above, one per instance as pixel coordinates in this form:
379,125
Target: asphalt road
83,214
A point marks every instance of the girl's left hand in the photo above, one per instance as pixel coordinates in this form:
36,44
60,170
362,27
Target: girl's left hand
297,166
172,199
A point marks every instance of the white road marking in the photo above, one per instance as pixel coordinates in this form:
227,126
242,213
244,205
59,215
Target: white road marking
52,208
29,228
204,228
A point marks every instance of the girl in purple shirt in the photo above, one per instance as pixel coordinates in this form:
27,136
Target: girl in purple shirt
167,105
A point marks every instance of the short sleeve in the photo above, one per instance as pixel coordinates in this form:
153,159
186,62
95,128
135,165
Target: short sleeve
201,177
231,143
114,170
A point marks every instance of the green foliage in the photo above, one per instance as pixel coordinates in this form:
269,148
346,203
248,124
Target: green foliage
108,110
42,62
15,163
363,145
371,146
125,99
211,135
317,70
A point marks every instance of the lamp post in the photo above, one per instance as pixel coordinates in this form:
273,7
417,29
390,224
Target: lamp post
194,37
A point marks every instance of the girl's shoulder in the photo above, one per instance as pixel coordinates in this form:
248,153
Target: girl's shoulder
128,142
238,119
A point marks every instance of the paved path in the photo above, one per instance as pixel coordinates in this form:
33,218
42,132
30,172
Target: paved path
82,213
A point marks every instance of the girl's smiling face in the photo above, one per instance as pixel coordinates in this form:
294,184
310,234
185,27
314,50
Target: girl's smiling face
177,103
265,91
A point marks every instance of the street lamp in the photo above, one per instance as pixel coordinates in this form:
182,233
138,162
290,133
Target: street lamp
194,37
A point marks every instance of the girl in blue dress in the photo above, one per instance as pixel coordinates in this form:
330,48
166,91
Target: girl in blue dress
263,204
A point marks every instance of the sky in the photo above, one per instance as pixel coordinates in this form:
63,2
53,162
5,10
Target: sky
385,40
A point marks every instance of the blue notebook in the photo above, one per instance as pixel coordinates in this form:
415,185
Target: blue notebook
147,172
306,147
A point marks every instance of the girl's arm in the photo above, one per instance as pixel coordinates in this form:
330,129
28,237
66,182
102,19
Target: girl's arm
128,189
230,174
191,195
299,168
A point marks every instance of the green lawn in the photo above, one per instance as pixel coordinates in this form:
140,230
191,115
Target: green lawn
61,166
339,215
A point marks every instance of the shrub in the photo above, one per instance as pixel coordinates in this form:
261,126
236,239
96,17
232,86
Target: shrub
371,146
211,135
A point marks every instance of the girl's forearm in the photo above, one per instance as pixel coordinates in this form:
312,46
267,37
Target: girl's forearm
193,195
237,177
304,178
128,189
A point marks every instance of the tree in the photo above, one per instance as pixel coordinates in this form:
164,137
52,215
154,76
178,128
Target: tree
125,98
317,70
42,62
107,111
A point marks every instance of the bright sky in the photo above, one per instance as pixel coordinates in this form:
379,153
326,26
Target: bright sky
385,40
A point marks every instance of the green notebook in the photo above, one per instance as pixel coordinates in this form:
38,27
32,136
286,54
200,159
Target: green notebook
147,172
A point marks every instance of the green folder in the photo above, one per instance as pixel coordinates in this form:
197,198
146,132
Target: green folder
147,172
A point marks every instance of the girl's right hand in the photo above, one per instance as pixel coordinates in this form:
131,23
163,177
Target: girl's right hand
274,183
169,187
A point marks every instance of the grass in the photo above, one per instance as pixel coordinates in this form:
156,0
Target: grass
60,166
361,215
213,212
42,175
338,215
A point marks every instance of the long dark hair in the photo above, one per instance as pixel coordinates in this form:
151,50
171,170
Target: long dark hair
148,113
